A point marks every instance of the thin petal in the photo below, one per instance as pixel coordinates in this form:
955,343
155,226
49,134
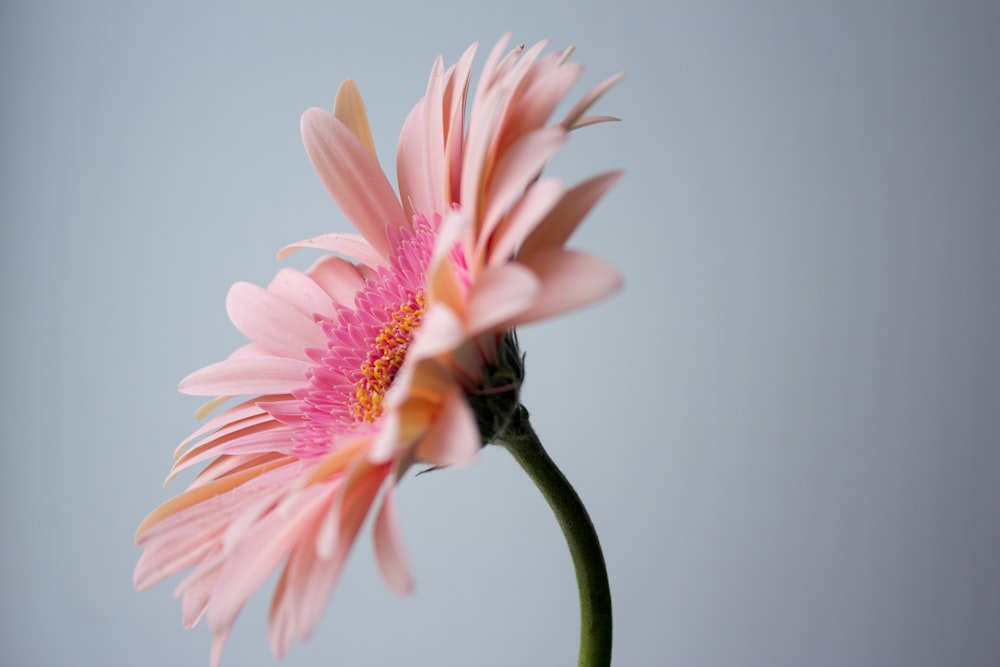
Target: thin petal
340,279
249,376
532,208
351,245
440,330
560,223
193,497
455,95
569,280
454,437
349,109
389,551
352,177
588,120
519,166
260,552
499,295
588,100
420,155
271,322
535,104
301,290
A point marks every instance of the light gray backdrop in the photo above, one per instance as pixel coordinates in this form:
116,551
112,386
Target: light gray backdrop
787,427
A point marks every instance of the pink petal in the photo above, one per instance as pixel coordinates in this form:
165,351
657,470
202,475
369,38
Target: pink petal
386,442
352,177
166,560
360,485
542,96
560,223
475,162
352,245
517,168
532,208
225,466
349,109
487,76
389,551
455,95
569,280
420,166
219,638
219,438
271,322
338,278
588,120
196,597
313,577
454,438
244,377
499,295
259,553
440,331
233,414
301,290
589,99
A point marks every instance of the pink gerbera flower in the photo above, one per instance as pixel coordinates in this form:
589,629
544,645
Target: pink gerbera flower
404,353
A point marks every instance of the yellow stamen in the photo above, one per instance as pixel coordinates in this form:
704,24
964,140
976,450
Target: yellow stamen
385,359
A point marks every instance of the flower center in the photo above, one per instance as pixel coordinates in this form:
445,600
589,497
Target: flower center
385,357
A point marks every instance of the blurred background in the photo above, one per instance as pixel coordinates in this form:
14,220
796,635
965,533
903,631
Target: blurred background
786,427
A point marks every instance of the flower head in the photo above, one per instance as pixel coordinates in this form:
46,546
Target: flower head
373,358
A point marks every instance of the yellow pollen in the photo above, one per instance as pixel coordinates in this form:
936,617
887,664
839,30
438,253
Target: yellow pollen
384,359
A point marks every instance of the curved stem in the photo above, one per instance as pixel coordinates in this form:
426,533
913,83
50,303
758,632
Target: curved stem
584,547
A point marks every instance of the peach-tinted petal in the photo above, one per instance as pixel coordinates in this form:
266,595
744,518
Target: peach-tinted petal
537,202
455,94
542,97
352,245
218,644
556,228
301,291
233,414
271,322
589,99
518,167
240,377
215,444
229,464
488,75
258,555
195,599
387,440
569,280
338,278
441,330
420,161
501,294
349,109
588,120
193,497
352,177
354,497
454,437
389,551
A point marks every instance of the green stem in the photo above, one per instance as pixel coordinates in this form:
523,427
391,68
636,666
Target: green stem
584,547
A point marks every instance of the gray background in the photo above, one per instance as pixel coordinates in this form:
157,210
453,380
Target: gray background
786,427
